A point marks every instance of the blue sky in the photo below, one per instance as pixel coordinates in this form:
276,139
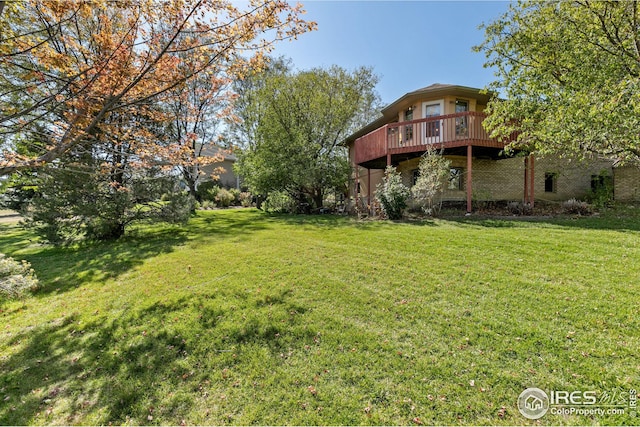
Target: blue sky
410,44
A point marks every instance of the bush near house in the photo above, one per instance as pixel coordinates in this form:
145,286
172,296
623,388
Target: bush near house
224,198
433,172
17,278
246,199
574,206
279,202
392,194
214,195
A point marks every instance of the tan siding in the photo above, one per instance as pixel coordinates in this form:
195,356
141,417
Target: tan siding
449,106
498,179
574,178
361,175
226,176
504,179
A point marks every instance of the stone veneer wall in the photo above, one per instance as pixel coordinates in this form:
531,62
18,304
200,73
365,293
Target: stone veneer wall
626,183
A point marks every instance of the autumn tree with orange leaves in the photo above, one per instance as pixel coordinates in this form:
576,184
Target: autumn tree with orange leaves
199,111
102,102
69,68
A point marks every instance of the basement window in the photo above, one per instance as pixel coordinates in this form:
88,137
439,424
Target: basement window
456,181
601,182
550,182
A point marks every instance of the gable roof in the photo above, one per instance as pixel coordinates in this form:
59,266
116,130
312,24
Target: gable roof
390,112
214,150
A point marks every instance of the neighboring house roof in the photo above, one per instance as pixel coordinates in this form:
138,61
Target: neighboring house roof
214,150
391,111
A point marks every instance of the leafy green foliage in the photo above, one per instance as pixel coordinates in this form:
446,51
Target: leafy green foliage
293,125
569,73
602,192
210,193
433,172
279,202
245,198
89,200
16,278
224,198
392,194
17,190
208,190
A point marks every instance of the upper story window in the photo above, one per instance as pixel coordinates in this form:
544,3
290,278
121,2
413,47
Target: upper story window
408,129
462,106
408,115
432,128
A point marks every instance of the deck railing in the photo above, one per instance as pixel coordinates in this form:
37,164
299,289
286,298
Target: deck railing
452,130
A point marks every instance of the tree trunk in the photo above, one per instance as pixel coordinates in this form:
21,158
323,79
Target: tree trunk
192,190
191,184
318,198
115,232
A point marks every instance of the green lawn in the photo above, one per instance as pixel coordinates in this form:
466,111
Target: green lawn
244,318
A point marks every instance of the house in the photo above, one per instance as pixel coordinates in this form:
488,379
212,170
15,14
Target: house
449,117
226,177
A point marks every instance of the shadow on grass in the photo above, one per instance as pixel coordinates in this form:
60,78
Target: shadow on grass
62,268
13,238
330,221
227,222
151,365
620,219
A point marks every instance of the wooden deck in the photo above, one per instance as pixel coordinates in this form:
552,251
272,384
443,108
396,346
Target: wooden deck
450,131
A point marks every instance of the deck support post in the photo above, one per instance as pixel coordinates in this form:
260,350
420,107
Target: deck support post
469,176
531,181
525,197
388,159
369,204
356,190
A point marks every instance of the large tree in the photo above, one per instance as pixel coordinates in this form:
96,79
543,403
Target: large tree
68,66
198,111
294,124
97,193
96,189
569,73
